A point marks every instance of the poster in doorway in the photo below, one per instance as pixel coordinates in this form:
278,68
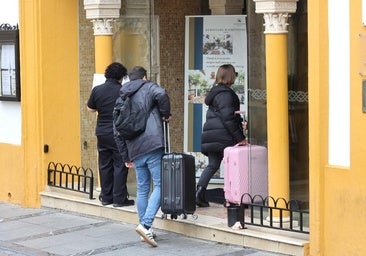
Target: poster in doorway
210,41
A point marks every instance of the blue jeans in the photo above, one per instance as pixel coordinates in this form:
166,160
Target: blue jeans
148,168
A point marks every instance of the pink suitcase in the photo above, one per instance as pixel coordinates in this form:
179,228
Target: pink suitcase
245,171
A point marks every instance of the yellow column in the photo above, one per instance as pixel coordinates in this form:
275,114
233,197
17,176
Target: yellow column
276,13
103,52
102,14
103,32
277,116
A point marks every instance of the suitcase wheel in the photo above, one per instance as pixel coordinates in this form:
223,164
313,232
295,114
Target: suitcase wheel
183,216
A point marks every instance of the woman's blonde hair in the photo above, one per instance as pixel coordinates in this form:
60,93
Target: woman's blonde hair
225,75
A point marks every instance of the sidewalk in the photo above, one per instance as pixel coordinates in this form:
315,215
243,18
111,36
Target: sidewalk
45,231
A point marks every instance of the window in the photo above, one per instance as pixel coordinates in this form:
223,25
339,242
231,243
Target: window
9,63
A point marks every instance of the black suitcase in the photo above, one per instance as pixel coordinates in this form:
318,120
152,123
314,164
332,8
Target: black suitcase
178,182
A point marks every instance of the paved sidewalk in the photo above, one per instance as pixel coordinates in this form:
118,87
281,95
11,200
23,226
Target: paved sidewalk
45,231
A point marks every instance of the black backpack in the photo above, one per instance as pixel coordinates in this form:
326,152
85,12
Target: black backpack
129,117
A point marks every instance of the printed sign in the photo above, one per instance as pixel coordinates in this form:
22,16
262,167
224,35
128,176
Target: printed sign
211,41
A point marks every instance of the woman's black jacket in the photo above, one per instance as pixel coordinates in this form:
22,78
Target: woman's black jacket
223,127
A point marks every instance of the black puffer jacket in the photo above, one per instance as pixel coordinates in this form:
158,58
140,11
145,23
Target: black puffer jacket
219,133
152,96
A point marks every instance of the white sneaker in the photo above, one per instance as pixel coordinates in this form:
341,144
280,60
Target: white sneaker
154,235
147,235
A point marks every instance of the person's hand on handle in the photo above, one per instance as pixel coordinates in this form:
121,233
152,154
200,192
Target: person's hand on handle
242,143
129,164
167,119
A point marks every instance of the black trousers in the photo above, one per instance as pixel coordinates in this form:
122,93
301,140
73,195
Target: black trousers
112,171
214,162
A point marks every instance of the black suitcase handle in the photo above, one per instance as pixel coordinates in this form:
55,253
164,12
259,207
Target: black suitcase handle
166,137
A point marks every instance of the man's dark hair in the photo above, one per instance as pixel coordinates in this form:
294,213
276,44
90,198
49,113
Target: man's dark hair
137,72
115,71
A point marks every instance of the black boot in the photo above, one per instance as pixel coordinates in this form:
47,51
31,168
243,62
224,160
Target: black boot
200,197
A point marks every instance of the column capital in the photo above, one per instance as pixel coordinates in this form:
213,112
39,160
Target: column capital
275,13
102,26
102,13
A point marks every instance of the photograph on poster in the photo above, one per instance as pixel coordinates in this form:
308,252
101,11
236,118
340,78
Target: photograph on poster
211,41
217,44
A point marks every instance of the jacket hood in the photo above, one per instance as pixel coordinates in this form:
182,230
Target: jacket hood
131,87
214,91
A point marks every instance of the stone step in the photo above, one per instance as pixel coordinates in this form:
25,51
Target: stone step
210,224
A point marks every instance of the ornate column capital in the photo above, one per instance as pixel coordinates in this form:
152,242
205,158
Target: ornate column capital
102,26
275,13
102,14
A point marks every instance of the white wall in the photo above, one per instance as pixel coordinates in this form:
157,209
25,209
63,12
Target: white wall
10,112
9,12
10,122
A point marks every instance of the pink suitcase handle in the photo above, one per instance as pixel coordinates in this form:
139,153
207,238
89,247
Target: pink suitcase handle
238,145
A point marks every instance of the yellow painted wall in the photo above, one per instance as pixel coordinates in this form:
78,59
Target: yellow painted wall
50,99
60,80
337,196
11,173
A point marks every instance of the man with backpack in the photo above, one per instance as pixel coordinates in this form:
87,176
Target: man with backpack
145,151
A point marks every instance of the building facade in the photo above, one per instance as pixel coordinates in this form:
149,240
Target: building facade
305,57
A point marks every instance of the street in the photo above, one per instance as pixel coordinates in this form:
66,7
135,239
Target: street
45,231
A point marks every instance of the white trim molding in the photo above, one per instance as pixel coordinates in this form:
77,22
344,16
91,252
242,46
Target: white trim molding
339,83
364,12
101,9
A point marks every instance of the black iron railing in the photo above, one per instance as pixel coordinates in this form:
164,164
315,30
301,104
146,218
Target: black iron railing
70,177
272,213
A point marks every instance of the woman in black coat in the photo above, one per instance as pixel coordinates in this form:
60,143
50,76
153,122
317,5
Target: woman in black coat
223,127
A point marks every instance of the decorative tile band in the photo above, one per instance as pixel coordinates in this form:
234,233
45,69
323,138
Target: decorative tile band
293,96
